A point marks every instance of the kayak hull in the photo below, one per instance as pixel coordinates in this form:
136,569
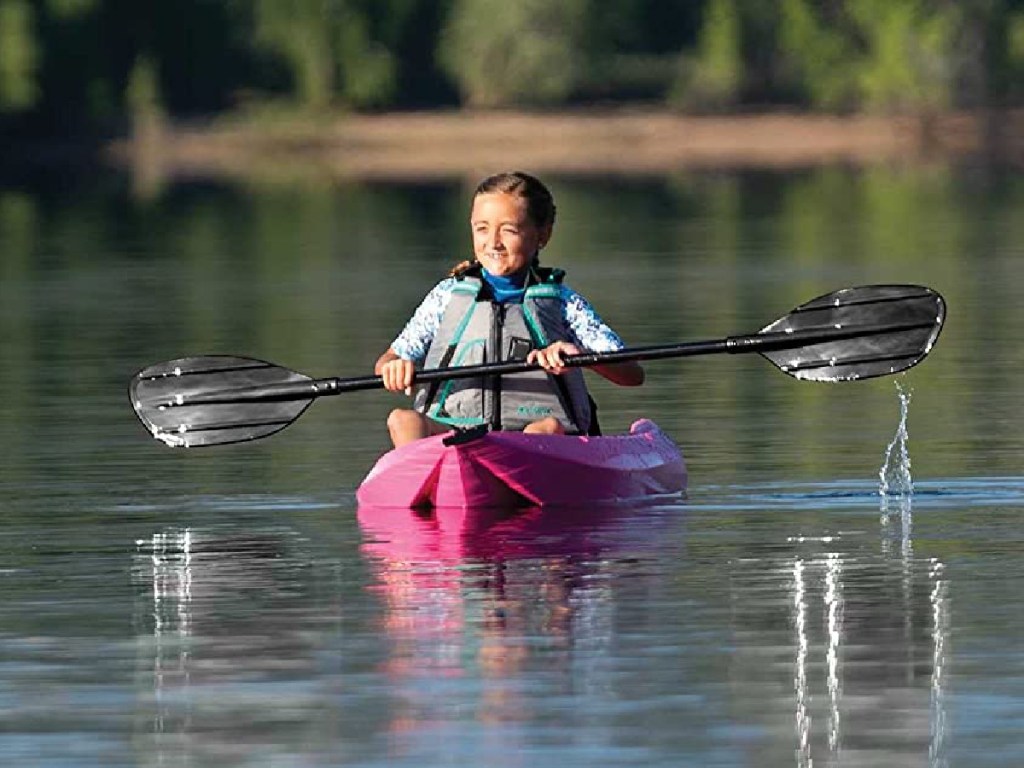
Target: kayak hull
512,469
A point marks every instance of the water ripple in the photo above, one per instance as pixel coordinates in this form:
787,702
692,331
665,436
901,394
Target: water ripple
970,492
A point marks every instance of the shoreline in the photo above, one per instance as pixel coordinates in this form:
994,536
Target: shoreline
442,145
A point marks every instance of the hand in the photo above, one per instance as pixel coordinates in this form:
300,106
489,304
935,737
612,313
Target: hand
398,375
550,358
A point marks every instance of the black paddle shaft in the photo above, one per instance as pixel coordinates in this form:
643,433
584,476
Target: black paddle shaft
854,333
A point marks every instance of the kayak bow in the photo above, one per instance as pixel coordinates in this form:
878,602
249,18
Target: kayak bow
512,469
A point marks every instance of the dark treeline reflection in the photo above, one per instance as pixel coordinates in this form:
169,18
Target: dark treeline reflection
320,278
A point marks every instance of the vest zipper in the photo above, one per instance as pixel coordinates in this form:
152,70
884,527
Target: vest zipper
497,342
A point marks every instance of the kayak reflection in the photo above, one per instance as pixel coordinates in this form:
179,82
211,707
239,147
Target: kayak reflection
479,601
452,535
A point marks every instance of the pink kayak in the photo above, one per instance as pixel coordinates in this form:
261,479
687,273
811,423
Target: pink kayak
510,469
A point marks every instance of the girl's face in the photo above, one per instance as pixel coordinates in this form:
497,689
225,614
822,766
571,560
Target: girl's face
505,239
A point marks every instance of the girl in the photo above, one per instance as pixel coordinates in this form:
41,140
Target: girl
502,305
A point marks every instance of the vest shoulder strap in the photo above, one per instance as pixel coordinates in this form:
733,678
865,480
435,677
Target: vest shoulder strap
543,291
467,286
548,275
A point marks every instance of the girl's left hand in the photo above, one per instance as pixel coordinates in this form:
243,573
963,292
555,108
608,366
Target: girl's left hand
550,358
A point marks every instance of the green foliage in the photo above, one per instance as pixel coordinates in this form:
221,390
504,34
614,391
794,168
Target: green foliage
368,69
300,32
143,92
817,55
1015,53
327,47
65,64
911,63
714,79
19,56
887,55
503,53
71,9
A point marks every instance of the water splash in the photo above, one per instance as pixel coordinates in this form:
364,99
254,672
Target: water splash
894,480
895,484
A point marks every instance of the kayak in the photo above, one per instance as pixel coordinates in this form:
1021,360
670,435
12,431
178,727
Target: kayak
512,469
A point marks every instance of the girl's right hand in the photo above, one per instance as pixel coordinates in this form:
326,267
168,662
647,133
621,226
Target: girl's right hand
398,375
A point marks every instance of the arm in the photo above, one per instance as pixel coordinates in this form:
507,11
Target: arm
628,374
397,366
595,335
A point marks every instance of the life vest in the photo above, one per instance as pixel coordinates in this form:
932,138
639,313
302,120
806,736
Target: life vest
475,330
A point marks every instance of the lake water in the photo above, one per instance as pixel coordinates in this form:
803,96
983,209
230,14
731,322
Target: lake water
228,606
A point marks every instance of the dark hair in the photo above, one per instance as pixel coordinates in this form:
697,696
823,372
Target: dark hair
540,205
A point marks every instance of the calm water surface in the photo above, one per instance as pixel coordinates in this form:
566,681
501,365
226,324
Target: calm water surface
231,607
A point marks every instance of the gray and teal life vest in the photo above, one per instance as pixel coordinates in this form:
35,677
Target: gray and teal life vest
475,330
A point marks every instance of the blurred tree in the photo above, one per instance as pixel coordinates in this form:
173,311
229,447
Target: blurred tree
502,53
70,9
368,68
817,53
888,55
1011,68
83,65
631,48
19,56
301,32
713,79
145,103
65,65
910,63
329,50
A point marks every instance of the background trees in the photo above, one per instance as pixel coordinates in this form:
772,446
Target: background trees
66,66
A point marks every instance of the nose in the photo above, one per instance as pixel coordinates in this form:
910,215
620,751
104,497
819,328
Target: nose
494,241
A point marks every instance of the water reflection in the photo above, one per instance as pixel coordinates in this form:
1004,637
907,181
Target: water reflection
896,490
940,633
861,641
170,556
790,618
226,624
859,666
833,606
478,603
831,567
897,524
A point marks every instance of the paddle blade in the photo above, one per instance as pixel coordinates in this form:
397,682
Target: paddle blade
160,395
879,330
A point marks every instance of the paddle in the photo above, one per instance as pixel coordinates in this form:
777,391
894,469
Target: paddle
854,333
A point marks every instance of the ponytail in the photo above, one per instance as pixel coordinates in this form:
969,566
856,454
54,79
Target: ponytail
460,269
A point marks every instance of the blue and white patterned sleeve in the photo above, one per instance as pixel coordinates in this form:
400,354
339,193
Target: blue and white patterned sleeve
591,332
414,340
